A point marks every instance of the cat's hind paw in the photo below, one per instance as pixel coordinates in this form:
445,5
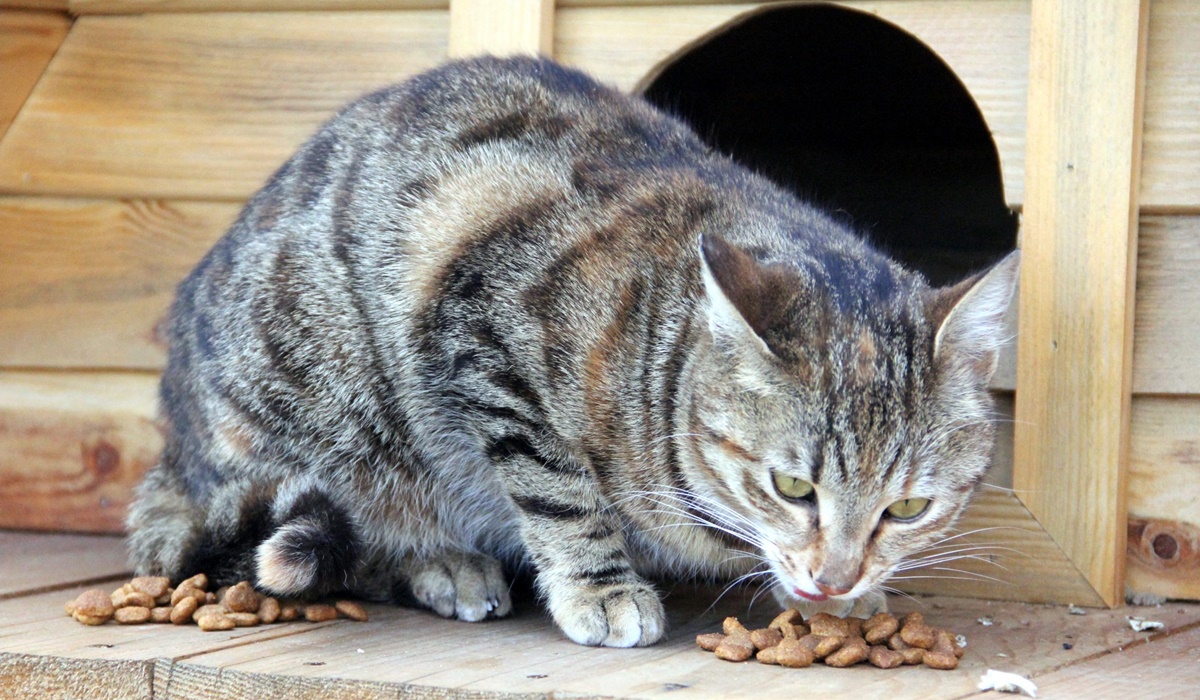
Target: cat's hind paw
470,587
625,614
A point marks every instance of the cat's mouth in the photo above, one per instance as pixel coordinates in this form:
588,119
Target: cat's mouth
814,597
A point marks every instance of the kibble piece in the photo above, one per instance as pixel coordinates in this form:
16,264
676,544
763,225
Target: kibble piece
182,612
210,609
853,651
709,642
770,655
942,655
790,631
791,616
290,610
735,647
879,628
165,598
243,619
198,581
822,646
132,615
918,634
268,610
215,622
127,597
765,638
153,586
913,656
883,657
951,641
187,590
320,612
242,598
731,626
827,625
793,654
351,610
162,614
92,607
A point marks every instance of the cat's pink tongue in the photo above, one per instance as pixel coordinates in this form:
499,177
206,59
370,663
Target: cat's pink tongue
809,596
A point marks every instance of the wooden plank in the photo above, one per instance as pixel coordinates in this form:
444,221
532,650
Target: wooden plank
28,41
59,5
526,655
501,27
114,118
985,43
86,283
1080,226
1164,497
131,7
51,562
1171,146
1164,669
50,678
72,447
1166,341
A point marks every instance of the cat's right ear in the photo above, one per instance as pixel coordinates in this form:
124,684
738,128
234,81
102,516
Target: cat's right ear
744,295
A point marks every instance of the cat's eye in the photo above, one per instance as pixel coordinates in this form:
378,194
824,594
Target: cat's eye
908,509
791,487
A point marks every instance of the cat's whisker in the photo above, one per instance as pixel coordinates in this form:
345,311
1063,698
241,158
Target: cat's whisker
932,564
947,578
976,552
897,591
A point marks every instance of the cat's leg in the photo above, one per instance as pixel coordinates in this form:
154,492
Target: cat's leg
163,525
577,545
470,587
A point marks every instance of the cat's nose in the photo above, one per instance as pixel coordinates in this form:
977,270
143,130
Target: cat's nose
831,589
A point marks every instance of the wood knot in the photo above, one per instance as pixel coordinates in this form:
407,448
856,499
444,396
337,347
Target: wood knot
102,458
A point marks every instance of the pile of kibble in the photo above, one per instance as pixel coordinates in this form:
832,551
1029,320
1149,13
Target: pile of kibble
882,640
152,599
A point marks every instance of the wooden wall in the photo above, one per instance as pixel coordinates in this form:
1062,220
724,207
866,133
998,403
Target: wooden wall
132,130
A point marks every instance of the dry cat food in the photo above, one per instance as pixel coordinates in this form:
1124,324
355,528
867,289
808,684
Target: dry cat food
151,599
882,640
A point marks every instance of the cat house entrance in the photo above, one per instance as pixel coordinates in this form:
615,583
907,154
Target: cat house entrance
855,115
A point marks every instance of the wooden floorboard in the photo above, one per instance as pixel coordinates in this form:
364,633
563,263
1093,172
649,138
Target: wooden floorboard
408,653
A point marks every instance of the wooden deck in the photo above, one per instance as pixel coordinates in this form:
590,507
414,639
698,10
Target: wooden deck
407,653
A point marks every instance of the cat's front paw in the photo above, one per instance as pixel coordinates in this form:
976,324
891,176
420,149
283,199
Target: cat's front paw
624,614
470,587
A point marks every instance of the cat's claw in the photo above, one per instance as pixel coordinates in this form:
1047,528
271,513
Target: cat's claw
470,587
620,615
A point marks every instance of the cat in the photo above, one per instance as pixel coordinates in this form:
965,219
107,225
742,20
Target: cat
501,317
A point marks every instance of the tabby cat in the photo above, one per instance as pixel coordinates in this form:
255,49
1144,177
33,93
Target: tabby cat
501,317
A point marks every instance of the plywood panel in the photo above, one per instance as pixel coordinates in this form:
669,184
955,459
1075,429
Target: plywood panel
985,43
203,105
501,27
85,283
28,41
53,562
1079,245
117,7
72,447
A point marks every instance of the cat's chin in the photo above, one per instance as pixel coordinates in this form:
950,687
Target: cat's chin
864,606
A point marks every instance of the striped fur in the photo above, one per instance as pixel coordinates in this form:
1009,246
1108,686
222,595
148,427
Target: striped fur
500,316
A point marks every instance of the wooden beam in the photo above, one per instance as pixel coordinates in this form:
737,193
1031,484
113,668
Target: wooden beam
73,446
501,27
1079,245
28,40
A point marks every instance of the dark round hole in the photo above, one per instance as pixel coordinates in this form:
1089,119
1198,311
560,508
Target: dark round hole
1165,546
859,117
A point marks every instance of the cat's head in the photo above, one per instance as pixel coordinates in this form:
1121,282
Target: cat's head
840,412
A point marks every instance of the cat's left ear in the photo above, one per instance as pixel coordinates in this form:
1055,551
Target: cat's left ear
970,314
746,297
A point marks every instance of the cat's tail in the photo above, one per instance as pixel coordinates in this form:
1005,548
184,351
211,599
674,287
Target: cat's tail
314,549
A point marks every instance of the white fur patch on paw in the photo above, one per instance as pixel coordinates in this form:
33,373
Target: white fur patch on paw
621,615
470,587
280,568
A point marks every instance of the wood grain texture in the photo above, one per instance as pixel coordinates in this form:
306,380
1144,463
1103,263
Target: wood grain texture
501,27
985,43
51,678
201,105
131,7
59,5
28,41
1166,340
1171,147
54,561
1164,497
1079,244
86,283
72,447
1166,668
